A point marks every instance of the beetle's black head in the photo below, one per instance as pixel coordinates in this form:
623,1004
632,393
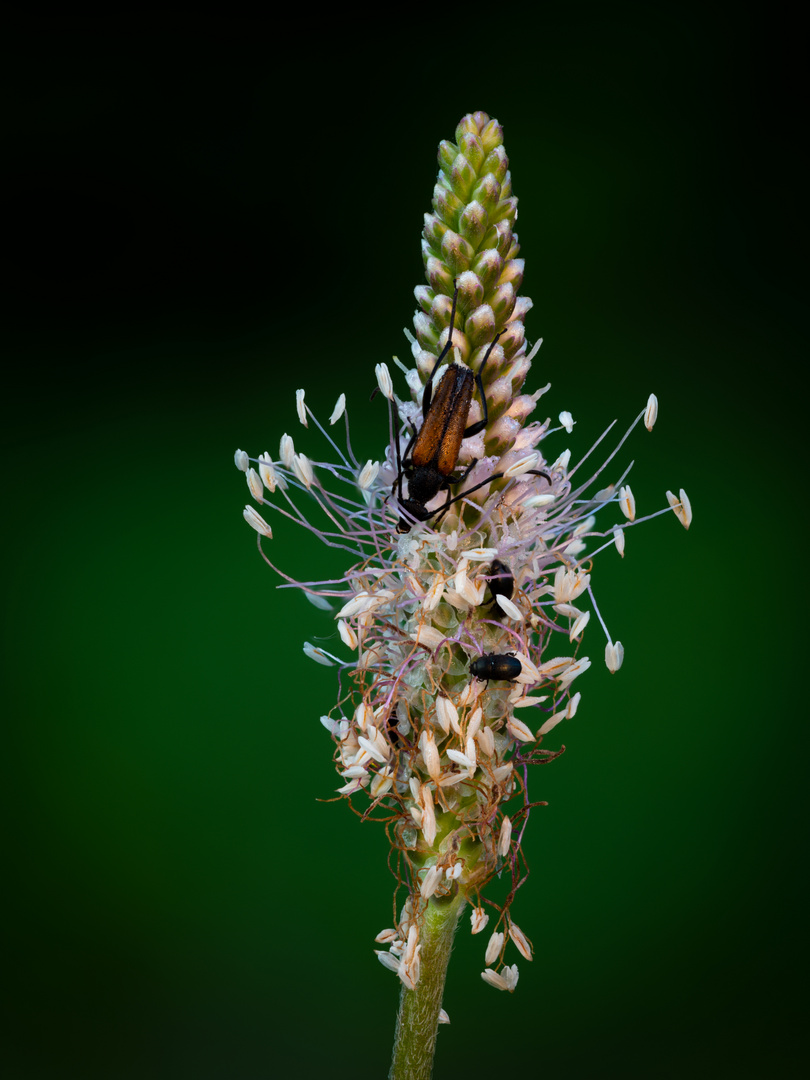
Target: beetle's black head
413,509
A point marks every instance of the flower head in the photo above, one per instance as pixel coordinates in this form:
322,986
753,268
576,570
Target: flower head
465,607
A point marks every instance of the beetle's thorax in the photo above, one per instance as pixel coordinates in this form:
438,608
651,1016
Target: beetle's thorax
424,483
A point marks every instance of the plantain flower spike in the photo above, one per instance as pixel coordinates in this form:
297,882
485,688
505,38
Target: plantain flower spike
499,571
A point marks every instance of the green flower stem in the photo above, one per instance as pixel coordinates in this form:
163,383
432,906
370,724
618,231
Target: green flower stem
418,1019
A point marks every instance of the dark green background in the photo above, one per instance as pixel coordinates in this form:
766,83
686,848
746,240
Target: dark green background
209,214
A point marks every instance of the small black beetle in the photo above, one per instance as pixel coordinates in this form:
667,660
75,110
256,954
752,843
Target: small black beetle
504,667
501,582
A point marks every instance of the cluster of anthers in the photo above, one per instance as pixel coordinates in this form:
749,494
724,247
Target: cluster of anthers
459,635
465,607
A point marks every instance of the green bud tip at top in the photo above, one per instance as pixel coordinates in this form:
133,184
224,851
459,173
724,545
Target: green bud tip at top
468,242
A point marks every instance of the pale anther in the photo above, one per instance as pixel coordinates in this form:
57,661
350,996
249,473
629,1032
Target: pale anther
301,408
627,502
339,410
567,421
257,522
651,412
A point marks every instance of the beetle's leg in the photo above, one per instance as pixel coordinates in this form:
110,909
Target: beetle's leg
473,429
427,394
400,471
469,491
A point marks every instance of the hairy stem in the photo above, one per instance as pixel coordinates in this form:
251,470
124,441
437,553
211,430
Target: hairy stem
418,1019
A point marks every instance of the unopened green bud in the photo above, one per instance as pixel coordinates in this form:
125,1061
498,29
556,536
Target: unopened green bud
513,273
426,333
467,125
502,301
513,337
447,206
447,154
497,163
480,326
456,252
487,192
489,267
440,310
470,291
491,134
434,230
506,210
440,278
473,224
462,178
473,150
424,297
500,237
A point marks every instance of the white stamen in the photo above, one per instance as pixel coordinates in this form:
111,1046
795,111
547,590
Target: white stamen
255,485
318,655
320,602
374,749
682,508
388,960
651,412
286,451
494,979
267,472
347,634
614,656
520,940
330,724
241,460
494,946
538,500
301,408
447,715
575,633
627,502
567,421
257,522
384,380
505,837
481,554
518,730
551,723
430,882
510,609
618,539
368,474
460,759
427,635
478,919
382,783
571,673
433,596
339,409
302,467
430,754
486,741
443,1017
522,465
428,815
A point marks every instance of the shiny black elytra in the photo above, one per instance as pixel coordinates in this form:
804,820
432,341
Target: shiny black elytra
501,581
503,667
432,453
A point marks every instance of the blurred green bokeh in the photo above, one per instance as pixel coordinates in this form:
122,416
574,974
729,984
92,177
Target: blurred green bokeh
200,231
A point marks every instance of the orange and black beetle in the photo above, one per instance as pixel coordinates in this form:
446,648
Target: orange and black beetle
432,453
